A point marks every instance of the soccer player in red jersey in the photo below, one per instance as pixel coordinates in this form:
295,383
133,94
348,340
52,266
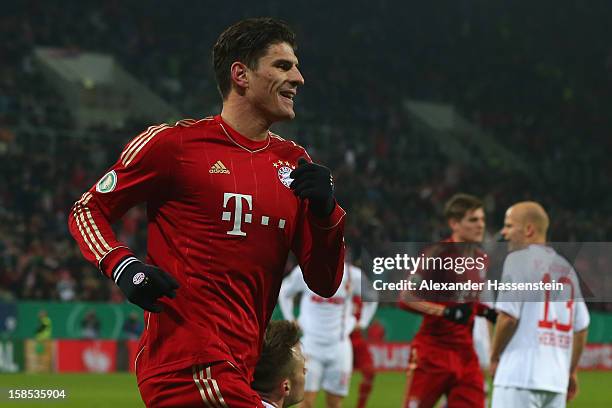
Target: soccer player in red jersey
443,360
362,358
226,202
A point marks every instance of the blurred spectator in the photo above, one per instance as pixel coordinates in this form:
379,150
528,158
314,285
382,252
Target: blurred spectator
44,330
132,328
90,325
65,286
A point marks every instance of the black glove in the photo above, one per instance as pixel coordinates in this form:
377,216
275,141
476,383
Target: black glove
144,284
487,312
314,182
459,313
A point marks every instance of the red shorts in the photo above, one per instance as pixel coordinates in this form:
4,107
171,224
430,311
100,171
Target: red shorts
362,359
217,385
436,371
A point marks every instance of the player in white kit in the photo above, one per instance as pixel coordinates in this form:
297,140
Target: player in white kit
482,340
326,325
537,344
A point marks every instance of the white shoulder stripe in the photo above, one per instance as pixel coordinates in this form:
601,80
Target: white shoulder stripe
274,135
135,146
185,122
133,152
191,122
138,138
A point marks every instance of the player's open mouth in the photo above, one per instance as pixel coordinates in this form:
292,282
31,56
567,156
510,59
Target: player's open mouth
288,95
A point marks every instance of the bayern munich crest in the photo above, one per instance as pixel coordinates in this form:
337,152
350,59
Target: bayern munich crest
138,278
284,169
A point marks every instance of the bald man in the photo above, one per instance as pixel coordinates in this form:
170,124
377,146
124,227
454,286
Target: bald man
537,343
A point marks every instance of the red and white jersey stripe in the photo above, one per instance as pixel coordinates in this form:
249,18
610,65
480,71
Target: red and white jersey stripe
208,387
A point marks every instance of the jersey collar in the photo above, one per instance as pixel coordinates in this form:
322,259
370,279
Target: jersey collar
240,140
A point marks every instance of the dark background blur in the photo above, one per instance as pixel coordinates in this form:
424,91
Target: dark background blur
534,79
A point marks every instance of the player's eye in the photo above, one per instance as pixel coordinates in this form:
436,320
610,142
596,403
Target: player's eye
284,65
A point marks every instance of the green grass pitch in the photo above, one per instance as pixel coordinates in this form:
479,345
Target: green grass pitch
119,390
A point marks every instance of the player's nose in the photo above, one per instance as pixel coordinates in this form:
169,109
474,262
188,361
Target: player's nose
295,77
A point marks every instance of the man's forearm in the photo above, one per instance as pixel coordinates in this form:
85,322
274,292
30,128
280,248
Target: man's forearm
504,330
580,339
320,252
421,307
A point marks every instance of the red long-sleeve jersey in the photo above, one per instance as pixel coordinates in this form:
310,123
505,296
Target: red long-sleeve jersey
221,220
435,329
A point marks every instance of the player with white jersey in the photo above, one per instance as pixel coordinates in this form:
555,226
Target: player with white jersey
538,340
326,324
482,339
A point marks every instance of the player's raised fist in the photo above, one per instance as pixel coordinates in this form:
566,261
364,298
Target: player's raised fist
314,182
143,284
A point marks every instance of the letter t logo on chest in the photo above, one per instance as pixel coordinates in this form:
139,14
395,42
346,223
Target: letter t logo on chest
248,216
227,216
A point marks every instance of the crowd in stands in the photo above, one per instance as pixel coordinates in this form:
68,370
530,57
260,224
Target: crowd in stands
502,66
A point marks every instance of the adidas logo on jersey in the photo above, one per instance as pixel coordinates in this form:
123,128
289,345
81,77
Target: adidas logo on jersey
218,168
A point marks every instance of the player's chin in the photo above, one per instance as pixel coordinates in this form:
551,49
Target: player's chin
285,113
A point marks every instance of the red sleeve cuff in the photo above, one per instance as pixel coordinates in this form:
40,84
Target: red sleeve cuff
112,258
330,222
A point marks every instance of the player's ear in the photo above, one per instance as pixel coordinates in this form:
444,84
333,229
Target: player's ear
238,72
286,387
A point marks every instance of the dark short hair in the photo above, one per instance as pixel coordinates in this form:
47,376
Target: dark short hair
247,41
460,204
276,361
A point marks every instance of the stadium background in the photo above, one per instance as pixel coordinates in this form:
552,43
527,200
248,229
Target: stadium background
407,103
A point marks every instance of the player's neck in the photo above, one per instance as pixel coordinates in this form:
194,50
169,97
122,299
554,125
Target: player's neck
538,240
244,119
460,239
457,238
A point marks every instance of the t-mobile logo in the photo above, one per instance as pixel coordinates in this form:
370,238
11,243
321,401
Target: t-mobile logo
238,213
227,216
